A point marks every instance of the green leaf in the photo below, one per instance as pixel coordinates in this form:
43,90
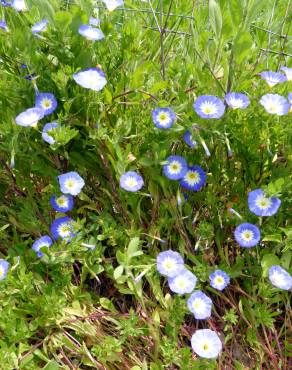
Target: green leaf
118,272
133,247
267,261
63,19
52,365
242,46
215,17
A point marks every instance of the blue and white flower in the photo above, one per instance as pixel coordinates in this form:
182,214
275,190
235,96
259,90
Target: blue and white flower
209,106
288,73
63,203
206,343
47,102
4,267
219,279
169,263
182,283
163,117
94,21
71,183
290,98
194,179
3,25
131,181
92,78
247,235
40,26
275,104
175,168
49,127
280,278
113,4
237,100
30,117
5,3
261,205
200,305
273,78
19,5
90,33
44,241
188,139
63,228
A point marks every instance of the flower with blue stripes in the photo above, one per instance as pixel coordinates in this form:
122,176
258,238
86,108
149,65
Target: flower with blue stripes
275,104
64,203
194,179
46,101
71,183
44,241
280,278
19,5
63,228
219,279
182,283
4,267
288,73
163,117
237,100
90,33
175,168
247,235
200,305
30,117
47,129
209,106
169,263
206,343
3,25
113,4
188,139
131,181
273,78
261,205
94,21
91,78
40,26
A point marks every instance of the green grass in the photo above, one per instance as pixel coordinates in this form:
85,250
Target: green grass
80,309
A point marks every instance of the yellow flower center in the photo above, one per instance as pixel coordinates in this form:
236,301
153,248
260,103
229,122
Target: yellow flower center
205,347
247,235
46,103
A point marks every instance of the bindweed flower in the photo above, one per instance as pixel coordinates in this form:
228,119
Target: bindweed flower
30,117
273,78
113,4
189,140
200,305
182,283
92,78
237,100
175,168
44,241
19,5
280,278
261,205
90,33
288,73
49,127
247,235
209,106
63,228
194,179
40,26
63,203
47,102
219,279
5,3
131,181
71,183
23,66
169,263
3,25
206,343
94,21
163,117
275,104
4,267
